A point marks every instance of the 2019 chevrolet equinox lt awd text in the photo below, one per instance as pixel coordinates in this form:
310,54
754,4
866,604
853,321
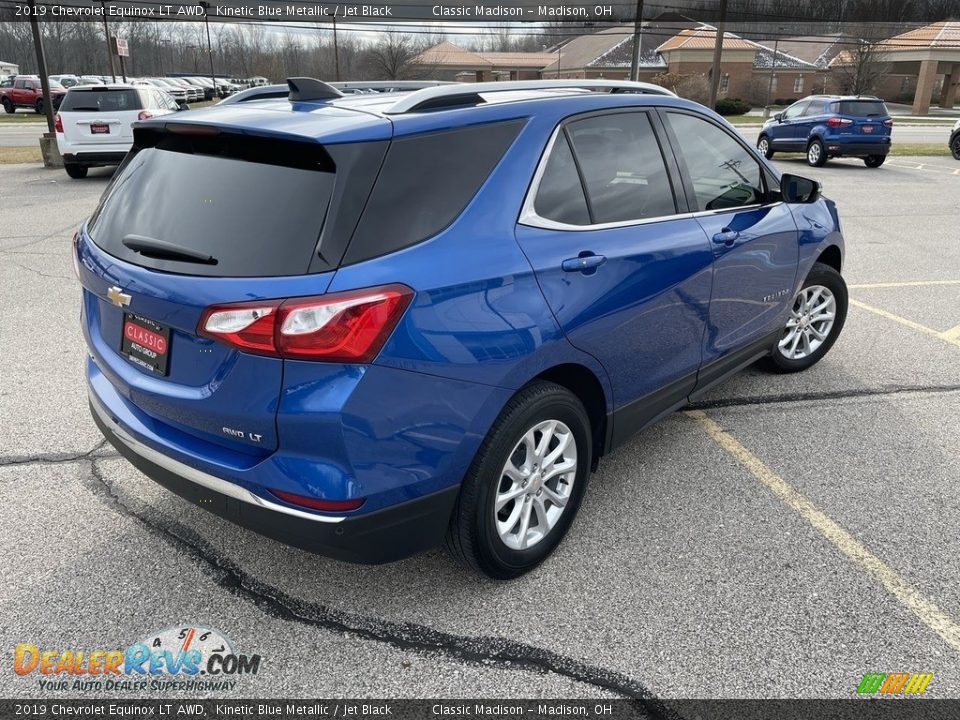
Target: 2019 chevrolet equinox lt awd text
429,313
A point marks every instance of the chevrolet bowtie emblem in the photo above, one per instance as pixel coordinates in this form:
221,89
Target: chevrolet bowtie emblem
117,296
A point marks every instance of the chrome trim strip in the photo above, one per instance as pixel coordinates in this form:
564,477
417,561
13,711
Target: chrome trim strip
197,476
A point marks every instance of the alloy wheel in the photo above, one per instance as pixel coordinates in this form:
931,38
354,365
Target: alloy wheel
535,484
813,153
811,320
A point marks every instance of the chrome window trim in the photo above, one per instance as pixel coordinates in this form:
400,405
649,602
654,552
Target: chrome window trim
194,475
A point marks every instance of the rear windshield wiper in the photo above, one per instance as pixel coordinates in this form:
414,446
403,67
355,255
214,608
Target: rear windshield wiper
163,250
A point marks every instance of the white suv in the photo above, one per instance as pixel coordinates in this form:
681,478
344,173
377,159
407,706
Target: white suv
95,123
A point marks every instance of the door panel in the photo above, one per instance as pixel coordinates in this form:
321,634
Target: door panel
625,273
754,242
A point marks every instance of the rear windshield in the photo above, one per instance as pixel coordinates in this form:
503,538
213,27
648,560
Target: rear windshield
862,108
102,100
254,206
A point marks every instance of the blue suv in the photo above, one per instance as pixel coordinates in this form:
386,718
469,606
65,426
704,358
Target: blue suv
366,325
829,126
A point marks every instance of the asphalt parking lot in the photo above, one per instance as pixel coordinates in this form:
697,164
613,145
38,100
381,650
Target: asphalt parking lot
781,539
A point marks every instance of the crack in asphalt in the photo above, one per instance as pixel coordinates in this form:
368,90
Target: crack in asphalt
814,396
484,651
47,458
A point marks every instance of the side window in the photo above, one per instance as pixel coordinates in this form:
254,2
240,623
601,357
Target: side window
795,110
814,108
560,195
623,169
724,174
20,84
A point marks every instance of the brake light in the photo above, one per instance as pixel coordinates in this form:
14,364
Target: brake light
839,122
144,115
888,123
340,327
58,123
317,503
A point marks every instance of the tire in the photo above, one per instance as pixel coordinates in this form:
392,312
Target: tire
484,540
77,172
955,146
8,106
782,358
874,161
816,153
763,145
38,108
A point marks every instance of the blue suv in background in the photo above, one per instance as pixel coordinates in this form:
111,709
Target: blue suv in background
829,126
366,325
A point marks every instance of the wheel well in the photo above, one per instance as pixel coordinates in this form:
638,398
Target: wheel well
831,257
583,383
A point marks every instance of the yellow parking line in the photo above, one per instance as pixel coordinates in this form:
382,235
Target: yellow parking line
909,283
951,334
925,609
947,336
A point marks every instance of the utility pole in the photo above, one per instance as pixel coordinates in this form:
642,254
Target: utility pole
206,21
336,51
48,141
106,39
717,54
773,71
637,35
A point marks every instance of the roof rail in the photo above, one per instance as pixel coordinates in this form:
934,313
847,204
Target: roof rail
470,93
305,89
261,92
385,86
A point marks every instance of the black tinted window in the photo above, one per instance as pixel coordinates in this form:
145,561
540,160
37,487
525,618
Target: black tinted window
723,173
102,100
622,167
425,183
256,205
862,108
560,195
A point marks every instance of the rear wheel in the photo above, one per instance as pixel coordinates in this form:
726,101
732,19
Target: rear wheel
75,171
816,319
874,161
763,145
38,108
524,487
816,153
8,106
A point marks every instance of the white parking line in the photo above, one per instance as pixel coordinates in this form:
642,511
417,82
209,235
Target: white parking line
951,336
908,283
929,613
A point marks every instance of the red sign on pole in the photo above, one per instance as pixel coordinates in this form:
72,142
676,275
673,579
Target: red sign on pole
119,46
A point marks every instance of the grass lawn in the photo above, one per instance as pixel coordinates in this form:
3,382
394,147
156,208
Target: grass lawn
20,117
9,155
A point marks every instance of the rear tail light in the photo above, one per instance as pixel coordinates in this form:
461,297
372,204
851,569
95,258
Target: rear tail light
340,327
839,122
888,123
144,115
58,123
317,503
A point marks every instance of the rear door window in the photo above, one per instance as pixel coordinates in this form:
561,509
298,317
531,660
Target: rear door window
102,100
560,196
862,108
622,167
256,206
814,108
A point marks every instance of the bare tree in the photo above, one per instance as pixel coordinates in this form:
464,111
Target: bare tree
859,70
392,58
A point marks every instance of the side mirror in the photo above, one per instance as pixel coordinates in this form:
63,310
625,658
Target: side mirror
778,117
797,189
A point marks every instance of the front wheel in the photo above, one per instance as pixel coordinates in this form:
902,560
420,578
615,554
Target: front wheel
874,161
816,319
523,490
763,145
955,146
8,106
816,154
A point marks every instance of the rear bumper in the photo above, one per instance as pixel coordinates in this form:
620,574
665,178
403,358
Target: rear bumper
92,153
382,536
837,147
95,158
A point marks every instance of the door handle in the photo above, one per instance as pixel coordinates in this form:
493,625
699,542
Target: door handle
726,237
585,262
